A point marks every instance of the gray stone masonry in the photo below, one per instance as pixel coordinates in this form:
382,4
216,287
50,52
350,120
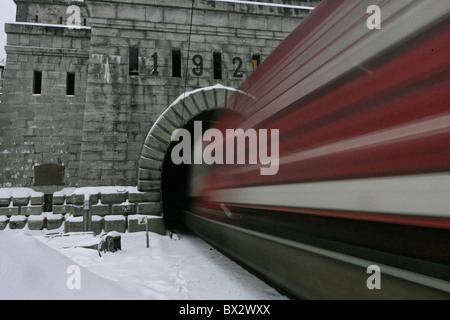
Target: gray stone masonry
116,128
46,127
48,11
122,109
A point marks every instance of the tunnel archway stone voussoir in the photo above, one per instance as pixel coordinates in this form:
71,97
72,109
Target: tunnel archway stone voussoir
191,107
156,143
175,116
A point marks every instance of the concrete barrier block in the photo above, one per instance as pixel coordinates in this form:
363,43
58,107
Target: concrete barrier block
100,209
77,199
97,224
4,202
9,211
115,223
155,224
17,222
108,198
93,198
133,225
3,222
36,222
54,221
58,200
61,209
31,210
76,211
149,208
74,224
123,208
20,201
37,200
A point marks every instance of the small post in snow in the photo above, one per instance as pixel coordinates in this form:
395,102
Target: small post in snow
86,214
146,233
144,220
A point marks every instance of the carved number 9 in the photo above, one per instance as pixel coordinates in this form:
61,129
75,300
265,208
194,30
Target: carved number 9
198,62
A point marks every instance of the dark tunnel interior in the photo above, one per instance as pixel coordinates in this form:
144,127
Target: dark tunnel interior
175,178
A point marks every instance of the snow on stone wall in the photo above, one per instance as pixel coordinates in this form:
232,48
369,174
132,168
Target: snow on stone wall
109,208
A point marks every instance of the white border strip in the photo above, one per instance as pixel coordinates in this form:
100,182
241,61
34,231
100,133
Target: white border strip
277,5
419,195
51,25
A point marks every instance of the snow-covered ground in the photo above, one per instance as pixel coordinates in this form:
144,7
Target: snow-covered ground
34,265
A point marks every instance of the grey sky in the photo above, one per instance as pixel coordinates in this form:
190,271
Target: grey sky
7,14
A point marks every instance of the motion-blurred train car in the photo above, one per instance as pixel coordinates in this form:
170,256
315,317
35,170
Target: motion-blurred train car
360,205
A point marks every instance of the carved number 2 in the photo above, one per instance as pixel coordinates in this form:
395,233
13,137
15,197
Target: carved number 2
237,72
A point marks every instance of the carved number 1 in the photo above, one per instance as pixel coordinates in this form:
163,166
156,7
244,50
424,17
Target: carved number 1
155,63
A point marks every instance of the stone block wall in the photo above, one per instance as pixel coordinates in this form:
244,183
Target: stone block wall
42,128
48,11
121,108
98,133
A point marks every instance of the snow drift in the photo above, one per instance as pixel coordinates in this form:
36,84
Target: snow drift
29,269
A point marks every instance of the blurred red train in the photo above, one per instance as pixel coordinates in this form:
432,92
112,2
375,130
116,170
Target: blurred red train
364,158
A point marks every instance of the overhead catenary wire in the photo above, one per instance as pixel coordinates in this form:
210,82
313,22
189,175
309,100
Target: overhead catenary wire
188,56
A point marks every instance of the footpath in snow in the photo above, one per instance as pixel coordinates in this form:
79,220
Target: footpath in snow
34,265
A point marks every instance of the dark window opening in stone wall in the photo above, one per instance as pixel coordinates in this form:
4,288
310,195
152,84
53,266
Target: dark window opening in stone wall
256,60
176,63
37,82
134,61
60,20
217,60
84,22
70,86
36,18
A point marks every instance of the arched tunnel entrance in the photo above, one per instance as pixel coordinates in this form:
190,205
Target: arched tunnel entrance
175,178
169,183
